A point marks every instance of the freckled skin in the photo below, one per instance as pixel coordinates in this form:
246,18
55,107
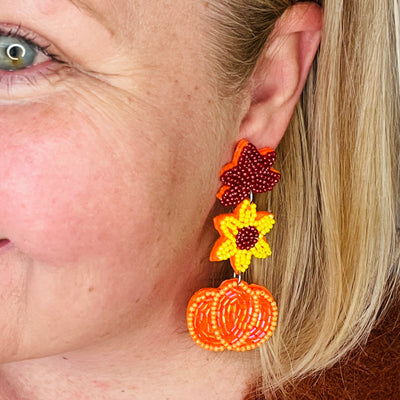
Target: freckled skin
104,190
85,212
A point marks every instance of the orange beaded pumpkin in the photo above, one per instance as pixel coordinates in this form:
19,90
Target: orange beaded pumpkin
236,316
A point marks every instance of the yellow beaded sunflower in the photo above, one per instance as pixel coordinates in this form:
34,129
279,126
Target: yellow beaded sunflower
242,235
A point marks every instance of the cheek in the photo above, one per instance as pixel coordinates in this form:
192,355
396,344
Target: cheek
62,194
44,191
74,189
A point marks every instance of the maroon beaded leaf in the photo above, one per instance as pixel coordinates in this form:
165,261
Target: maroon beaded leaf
250,171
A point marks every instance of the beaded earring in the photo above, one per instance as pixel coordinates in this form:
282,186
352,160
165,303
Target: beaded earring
238,316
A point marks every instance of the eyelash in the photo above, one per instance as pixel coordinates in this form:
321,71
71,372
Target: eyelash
31,39
31,74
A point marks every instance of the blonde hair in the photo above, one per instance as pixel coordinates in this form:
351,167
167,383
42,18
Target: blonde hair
334,264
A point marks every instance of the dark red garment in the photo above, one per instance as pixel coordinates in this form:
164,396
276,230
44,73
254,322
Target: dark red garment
372,374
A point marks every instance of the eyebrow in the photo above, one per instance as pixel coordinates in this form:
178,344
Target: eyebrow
92,12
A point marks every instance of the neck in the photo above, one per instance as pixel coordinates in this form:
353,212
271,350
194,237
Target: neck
140,366
166,373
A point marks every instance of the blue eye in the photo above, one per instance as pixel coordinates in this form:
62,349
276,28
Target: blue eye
16,54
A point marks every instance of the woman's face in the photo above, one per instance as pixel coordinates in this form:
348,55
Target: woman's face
110,150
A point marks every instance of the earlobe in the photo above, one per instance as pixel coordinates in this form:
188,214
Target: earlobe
280,74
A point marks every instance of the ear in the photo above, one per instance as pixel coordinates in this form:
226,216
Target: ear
280,74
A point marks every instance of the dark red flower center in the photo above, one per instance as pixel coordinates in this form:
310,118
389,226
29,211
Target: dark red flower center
247,238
